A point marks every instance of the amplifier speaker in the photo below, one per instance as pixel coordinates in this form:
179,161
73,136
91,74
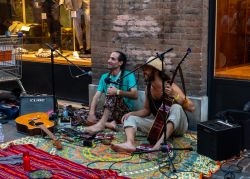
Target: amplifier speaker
218,140
241,118
37,103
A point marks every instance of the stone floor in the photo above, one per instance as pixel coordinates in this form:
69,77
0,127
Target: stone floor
11,133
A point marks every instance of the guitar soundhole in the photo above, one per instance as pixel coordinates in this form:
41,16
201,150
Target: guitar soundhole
39,123
33,123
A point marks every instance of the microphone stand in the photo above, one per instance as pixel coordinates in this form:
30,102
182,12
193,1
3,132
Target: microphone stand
139,67
61,55
53,73
164,147
53,80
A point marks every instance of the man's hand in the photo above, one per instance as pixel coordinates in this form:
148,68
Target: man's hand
112,91
125,117
168,89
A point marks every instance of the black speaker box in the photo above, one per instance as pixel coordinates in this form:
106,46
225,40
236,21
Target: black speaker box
243,119
37,103
218,140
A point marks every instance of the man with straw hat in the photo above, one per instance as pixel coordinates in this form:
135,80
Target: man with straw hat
177,120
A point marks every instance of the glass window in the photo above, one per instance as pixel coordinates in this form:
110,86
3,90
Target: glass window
232,49
65,25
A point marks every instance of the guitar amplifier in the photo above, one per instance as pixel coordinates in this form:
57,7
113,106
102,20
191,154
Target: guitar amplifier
241,118
36,103
218,140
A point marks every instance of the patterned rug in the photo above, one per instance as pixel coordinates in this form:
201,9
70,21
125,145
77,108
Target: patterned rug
188,164
45,164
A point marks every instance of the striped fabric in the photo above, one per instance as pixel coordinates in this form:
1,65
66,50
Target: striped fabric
60,167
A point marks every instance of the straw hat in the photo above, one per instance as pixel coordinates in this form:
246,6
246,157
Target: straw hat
156,63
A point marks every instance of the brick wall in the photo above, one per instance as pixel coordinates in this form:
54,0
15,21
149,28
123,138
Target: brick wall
140,28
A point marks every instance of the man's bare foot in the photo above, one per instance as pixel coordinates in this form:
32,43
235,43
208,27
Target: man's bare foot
155,147
111,125
124,147
95,128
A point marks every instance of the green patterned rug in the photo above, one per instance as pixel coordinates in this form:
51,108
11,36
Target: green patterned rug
188,164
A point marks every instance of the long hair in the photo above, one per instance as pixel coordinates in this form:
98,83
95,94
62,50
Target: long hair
163,76
122,57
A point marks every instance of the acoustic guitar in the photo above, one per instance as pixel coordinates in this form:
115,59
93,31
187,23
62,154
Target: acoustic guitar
36,124
157,128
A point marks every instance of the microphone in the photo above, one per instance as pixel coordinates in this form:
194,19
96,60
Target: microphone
161,56
108,81
48,45
88,73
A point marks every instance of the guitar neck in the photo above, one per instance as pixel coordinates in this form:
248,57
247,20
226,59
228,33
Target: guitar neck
48,132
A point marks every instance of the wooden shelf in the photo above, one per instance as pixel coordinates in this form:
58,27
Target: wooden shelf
237,72
86,61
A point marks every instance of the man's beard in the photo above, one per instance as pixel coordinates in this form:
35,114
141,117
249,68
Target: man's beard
112,67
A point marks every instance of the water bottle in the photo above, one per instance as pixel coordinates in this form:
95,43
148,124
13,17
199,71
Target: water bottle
1,134
65,120
65,112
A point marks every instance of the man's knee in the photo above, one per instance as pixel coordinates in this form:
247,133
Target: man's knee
176,107
130,122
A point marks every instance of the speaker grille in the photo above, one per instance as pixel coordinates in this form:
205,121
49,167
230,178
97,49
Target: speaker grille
41,103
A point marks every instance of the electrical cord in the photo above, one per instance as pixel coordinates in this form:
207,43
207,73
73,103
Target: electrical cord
113,162
232,169
124,161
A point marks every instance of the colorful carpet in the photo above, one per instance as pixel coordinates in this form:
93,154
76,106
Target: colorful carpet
54,166
188,164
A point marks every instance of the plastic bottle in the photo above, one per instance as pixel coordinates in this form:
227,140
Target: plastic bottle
65,112
1,134
26,161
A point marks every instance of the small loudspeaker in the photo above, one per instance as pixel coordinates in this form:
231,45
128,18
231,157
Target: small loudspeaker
218,140
243,119
37,103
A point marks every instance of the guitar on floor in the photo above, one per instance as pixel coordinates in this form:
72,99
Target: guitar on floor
36,124
157,128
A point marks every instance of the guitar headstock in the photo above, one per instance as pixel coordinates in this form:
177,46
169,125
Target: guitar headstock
58,144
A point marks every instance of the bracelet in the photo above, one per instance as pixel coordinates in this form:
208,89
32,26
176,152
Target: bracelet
185,103
118,92
176,97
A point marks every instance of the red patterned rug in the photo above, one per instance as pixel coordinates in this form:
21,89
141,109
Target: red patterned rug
58,166
188,164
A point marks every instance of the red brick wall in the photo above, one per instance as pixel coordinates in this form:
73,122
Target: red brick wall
142,28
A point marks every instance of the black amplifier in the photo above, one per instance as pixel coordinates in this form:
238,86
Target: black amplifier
241,118
218,140
36,103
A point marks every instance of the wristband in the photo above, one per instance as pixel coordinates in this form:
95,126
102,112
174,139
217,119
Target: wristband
176,97
118,92
185,103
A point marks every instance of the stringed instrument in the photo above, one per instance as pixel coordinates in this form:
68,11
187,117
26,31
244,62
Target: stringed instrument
35,124
156,130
